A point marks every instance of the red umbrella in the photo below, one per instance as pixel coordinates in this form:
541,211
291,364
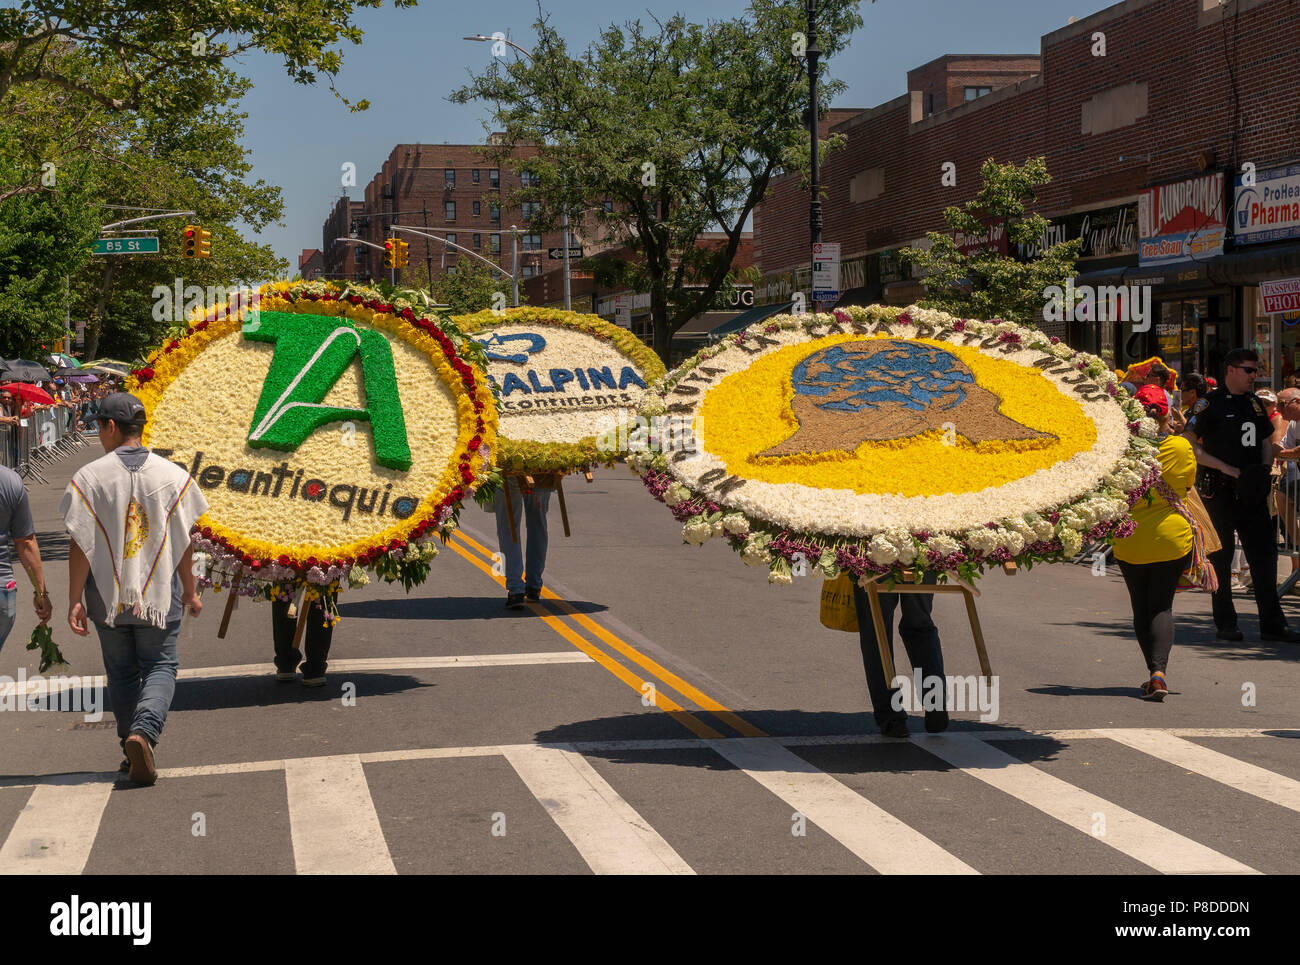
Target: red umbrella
28,393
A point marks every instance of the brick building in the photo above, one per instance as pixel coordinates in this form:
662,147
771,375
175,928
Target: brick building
457,194
311,264
343,262
1148,113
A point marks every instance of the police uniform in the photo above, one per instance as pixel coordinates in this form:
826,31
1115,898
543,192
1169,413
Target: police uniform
1235,429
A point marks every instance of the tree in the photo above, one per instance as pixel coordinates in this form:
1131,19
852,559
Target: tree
680,127
985,283
471,288
115,57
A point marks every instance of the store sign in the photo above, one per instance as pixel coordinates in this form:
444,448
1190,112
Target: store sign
1268,209
826,271
737,298
1104,233
994,239
1181,221
1280,295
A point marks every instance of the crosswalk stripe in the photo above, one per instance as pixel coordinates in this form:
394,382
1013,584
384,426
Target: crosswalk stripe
1126,832
1223,768
332,818
874,835
56,830
607,831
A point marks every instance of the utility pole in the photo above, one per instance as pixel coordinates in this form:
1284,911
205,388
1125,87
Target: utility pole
815,208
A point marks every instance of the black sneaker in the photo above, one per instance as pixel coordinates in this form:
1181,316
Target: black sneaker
1231,633
936,721
895,727
1284,636
514,601
531,594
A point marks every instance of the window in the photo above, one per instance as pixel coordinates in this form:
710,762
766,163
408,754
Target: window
360,255
477,209
449,175
451,269
974,92
450,210
494,244
528,271
608,206
531,242
494,213
473,175
478,241
494,178
451,236
573,240
531,209
496,275
530,180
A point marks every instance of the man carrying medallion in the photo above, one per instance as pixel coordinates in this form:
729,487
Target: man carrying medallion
129,515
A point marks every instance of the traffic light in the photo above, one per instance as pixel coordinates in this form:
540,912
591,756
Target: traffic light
191,238
205,244
403,254
391,253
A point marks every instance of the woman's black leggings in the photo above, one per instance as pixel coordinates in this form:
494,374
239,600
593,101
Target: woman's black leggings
1151,588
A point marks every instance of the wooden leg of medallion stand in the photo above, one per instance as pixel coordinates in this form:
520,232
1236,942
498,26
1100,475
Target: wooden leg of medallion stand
303,606
882,641
564,512
978,634
510,515
588,475
233,590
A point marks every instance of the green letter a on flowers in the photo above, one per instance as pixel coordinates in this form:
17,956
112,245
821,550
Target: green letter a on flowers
311,353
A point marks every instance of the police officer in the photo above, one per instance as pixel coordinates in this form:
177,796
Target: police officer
1231,432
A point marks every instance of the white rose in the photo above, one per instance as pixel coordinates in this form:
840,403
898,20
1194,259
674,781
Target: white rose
736,524
1071,542
675,493
942,544
881,550
697,531
1148,429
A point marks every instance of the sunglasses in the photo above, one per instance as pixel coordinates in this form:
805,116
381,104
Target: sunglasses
1246,368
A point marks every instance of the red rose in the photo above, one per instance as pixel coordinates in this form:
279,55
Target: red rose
311,561
256,564
475,443
283,560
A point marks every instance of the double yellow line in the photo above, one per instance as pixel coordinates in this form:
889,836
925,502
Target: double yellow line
656,678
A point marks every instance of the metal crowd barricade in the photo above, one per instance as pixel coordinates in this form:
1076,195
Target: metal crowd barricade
1287,500
42,438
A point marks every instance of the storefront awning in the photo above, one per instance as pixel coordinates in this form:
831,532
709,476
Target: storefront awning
748,318
1246,266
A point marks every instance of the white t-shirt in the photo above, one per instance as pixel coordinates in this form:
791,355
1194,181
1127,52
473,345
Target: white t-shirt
1290,441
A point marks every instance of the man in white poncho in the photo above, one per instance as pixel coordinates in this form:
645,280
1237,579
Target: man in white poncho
129,516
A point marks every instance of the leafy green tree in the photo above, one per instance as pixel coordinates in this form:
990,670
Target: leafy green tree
471,288
985,283
122,57
679,126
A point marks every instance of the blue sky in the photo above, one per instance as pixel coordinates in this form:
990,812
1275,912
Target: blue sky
299,137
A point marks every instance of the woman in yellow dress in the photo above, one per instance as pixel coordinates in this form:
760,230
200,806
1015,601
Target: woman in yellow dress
1154,556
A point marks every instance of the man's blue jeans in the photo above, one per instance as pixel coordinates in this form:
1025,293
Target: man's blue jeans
141,664
533,508
8,612
920,638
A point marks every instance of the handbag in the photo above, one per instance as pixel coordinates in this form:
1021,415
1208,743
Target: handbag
838,611
1200,572
1202,515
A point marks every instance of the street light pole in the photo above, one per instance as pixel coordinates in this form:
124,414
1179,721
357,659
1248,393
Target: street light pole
815,208
564,229
514,279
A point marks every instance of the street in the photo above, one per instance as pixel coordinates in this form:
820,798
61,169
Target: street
664,710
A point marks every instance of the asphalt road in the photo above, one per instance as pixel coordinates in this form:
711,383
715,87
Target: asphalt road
668,711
